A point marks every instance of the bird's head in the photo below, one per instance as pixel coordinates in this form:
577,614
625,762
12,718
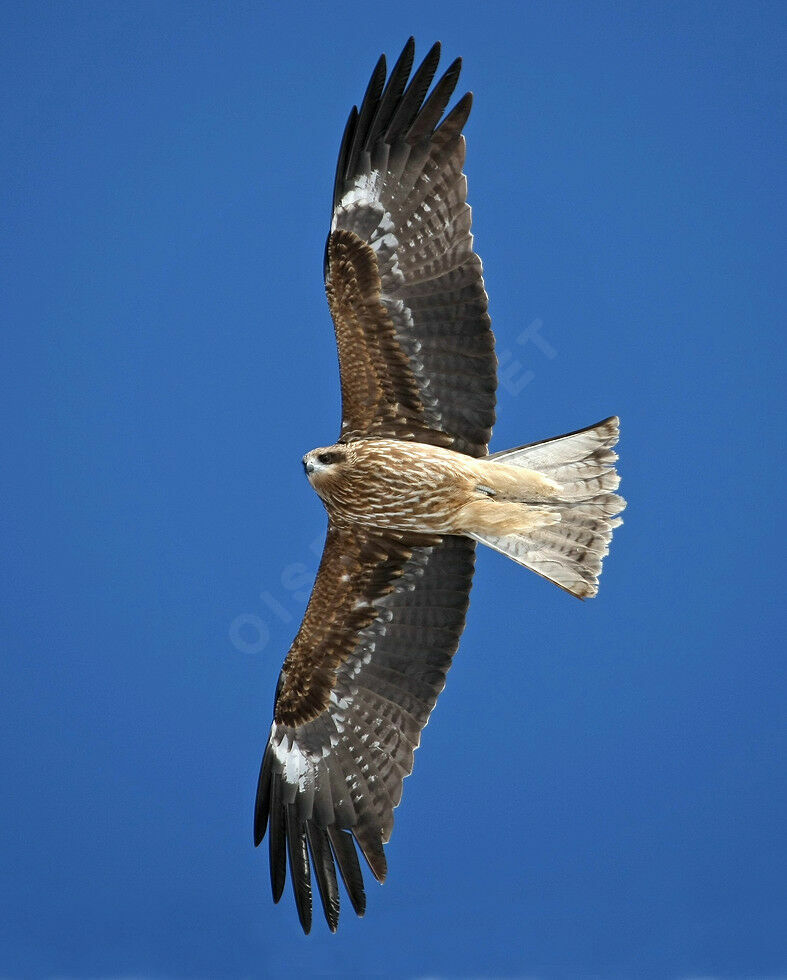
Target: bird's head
323,466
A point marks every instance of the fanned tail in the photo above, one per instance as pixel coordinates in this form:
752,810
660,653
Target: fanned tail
566,537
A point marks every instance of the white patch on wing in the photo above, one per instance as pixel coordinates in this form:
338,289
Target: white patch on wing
295,763
365,190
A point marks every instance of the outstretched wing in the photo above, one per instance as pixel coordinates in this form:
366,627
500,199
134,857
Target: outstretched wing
357,687
405,289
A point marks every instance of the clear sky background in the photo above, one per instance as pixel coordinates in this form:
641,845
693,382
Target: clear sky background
601,788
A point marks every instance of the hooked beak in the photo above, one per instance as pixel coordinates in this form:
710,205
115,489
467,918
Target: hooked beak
308,466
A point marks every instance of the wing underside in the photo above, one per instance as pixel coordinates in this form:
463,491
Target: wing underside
330,784
400,234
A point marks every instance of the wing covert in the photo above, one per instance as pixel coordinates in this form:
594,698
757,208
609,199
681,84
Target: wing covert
405,288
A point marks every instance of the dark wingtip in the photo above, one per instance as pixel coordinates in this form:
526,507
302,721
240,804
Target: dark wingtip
455,120
277,841
432,110
262,801
300,872
411,101
344,149
377,80
370,843
277,888
404,63
349,867
325,872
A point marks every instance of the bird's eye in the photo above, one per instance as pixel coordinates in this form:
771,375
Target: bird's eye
327,458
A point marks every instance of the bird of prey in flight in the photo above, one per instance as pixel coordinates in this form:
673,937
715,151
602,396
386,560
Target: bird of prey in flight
409,488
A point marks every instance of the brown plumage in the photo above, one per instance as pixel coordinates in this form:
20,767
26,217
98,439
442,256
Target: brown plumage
409,489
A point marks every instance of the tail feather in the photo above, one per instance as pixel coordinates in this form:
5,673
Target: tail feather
569,548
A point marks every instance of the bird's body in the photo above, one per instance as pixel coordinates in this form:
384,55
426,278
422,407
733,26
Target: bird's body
409,488
392,485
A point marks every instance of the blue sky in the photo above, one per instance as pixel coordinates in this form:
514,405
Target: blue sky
601,788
